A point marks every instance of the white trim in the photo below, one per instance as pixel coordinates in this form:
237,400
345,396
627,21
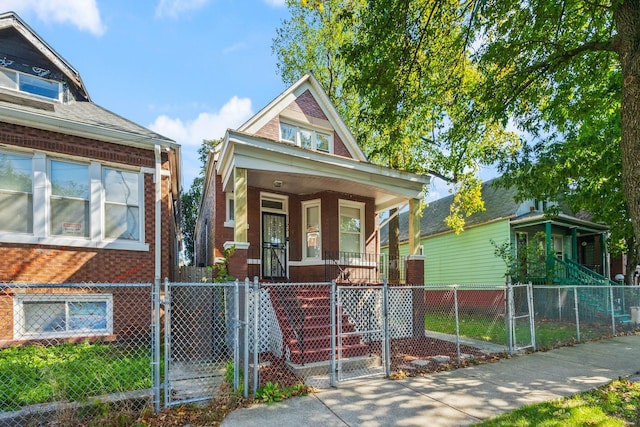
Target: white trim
361,207
19,320
304,206
238,245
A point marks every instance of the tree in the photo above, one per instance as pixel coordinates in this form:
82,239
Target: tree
399,74
566,73
190,201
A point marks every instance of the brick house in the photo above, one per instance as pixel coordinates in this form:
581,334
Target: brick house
85,195
294,195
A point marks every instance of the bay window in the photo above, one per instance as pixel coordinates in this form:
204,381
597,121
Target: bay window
54,201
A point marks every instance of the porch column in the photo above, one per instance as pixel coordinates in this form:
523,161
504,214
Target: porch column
238,260
574,245
240,204
549,245
414,227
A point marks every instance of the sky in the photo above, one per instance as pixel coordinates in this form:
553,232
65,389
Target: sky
186,69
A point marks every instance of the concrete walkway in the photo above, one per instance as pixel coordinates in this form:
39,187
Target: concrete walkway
455,398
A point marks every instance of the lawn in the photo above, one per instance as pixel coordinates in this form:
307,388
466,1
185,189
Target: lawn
37,374
492,328
615,404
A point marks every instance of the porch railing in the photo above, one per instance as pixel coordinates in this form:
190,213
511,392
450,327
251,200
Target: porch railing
358,267
571,273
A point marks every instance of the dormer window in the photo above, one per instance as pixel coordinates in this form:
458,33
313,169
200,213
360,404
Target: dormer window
28,83
306,137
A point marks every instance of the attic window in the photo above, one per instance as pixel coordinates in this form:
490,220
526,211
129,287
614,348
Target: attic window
33,85
306,138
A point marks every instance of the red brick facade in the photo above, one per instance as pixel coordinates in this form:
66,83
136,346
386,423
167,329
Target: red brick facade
30,263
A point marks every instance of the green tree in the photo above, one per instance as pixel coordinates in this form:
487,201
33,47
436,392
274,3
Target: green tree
566,72
190,200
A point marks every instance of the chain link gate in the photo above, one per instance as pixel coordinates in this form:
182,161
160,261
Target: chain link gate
201,323
521,331
359,332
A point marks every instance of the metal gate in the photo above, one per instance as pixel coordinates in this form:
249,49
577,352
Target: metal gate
200,344
521,333
359,325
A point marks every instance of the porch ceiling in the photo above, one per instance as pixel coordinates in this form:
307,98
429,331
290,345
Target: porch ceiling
280,167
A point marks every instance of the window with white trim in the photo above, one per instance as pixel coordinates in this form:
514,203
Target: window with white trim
351,218
122,204
230,216
16,193
62,315
69,199
27,83
306,138
312,237
65,202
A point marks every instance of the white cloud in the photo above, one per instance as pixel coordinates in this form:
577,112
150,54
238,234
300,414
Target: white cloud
208,125
84,14
276,3
174,8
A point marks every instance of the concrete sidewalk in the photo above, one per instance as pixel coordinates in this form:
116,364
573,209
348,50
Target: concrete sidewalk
455,398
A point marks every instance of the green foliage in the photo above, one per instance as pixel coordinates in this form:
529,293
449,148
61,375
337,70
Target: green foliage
269,393
614,404
526,262
37,374
229,375
190,201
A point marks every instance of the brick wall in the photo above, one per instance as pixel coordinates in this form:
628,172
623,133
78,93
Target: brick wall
59,264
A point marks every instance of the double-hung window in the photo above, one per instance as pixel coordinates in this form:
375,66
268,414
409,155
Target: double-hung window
16,193
312,236
122,204
69,199
306,138
351,217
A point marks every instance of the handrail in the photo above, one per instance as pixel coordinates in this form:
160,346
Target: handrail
573,270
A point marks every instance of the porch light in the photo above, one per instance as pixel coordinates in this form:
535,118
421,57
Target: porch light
277,183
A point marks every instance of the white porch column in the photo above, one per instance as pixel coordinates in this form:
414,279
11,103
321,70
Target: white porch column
240,204
414,227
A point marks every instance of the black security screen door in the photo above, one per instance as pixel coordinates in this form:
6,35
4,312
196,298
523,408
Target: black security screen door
274,246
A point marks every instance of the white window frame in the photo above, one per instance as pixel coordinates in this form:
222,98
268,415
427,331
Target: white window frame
306,205
51,196
314,138
140,204
19,319
18,76
361,207
41,193
230,220
29,194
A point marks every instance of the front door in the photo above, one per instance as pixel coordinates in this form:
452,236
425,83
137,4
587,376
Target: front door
274,245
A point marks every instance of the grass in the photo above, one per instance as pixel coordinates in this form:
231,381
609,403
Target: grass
615,404
38,374
493,329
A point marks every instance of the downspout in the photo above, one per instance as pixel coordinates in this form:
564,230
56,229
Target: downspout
158,181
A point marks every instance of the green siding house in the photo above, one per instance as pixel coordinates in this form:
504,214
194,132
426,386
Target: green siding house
574,246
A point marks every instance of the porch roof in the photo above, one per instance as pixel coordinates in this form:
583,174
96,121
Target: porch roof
302,171
564,220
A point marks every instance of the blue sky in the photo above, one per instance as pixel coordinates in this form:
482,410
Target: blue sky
187,69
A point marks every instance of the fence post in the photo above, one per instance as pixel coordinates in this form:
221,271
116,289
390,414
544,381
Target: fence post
155,339
532,318
575,308
236,335
455,303
332,323
167,340
613,314
386,334
509,317
256,336
245,362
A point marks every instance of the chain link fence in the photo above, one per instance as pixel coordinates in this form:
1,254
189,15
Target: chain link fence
69,350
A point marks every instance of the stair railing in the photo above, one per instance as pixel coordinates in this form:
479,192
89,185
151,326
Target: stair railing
295,317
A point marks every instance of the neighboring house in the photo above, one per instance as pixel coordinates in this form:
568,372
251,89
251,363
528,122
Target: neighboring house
85,195
295,197
469,257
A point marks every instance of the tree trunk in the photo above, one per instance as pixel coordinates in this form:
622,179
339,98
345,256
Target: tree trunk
627,19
